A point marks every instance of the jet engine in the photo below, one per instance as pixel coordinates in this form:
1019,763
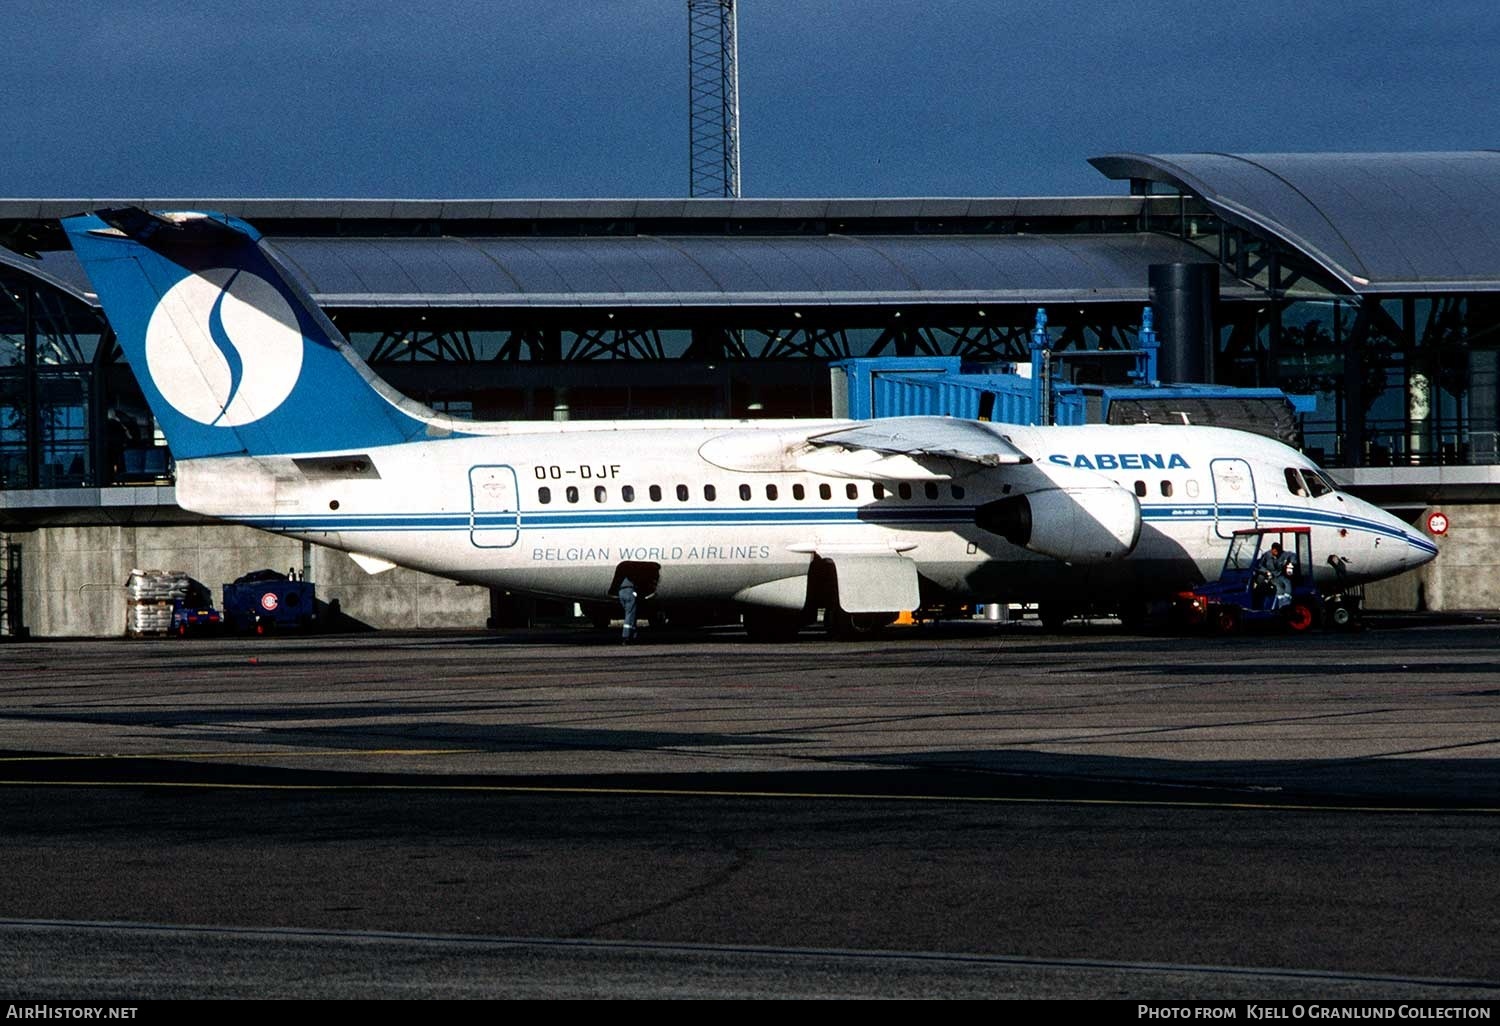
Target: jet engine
1091,524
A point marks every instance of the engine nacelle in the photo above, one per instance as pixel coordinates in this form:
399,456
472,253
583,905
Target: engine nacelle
1089,524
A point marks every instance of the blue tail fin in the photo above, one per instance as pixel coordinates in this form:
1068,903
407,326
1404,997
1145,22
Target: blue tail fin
232,354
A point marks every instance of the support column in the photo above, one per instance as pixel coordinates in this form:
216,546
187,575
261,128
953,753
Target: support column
1185,297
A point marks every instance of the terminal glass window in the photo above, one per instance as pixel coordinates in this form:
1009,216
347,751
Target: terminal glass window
13,468
12,324
63,419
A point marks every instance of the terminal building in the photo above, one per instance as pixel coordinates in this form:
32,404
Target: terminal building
1369,283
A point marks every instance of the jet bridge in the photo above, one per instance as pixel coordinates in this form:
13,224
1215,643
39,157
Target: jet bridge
871,387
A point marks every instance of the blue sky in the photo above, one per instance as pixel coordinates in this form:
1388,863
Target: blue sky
589,97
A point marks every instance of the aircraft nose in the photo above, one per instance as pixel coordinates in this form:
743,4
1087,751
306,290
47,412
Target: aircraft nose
1419,549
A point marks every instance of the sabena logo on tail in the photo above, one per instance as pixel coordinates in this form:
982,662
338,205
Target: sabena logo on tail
234,356
224,347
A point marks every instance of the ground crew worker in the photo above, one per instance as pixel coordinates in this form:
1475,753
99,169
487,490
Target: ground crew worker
627,607
1280,567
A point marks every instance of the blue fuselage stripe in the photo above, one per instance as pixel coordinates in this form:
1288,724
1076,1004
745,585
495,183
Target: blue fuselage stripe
896,517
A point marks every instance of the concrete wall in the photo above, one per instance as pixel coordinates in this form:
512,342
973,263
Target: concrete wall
75,577
1466,574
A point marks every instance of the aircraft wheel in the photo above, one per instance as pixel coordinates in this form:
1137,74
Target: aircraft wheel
1340,616
1225,619
1133,616
1053,615
772,624
857,626
1299,617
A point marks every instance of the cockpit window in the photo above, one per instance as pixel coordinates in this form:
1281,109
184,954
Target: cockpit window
1294,482
1317,484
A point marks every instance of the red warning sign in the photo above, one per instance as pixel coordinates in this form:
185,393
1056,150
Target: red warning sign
1437,523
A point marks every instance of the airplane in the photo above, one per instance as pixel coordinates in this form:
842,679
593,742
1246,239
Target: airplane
275,422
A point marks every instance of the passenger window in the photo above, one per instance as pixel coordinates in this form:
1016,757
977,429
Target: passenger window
544,495
879,490
930,490
851,490
572,494
599,493
798,492
745,492
1166,489
656,493
771,492
825,492
1294,482
904,490
1192,488
627,492
682,493
957,490
1140,489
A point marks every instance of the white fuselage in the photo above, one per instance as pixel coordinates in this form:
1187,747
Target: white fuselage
735,510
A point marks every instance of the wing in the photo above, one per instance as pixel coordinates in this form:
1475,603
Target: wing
946,438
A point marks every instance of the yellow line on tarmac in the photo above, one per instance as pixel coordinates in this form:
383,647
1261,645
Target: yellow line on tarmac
661,792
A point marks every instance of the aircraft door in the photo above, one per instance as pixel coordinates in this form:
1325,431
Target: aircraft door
494,514
1235,506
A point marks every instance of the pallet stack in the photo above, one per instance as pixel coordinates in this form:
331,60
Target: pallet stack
149,598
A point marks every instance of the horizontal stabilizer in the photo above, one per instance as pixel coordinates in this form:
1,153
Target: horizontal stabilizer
184,226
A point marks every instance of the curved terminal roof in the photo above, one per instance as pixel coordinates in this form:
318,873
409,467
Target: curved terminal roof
728,271
1379,222
704,269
